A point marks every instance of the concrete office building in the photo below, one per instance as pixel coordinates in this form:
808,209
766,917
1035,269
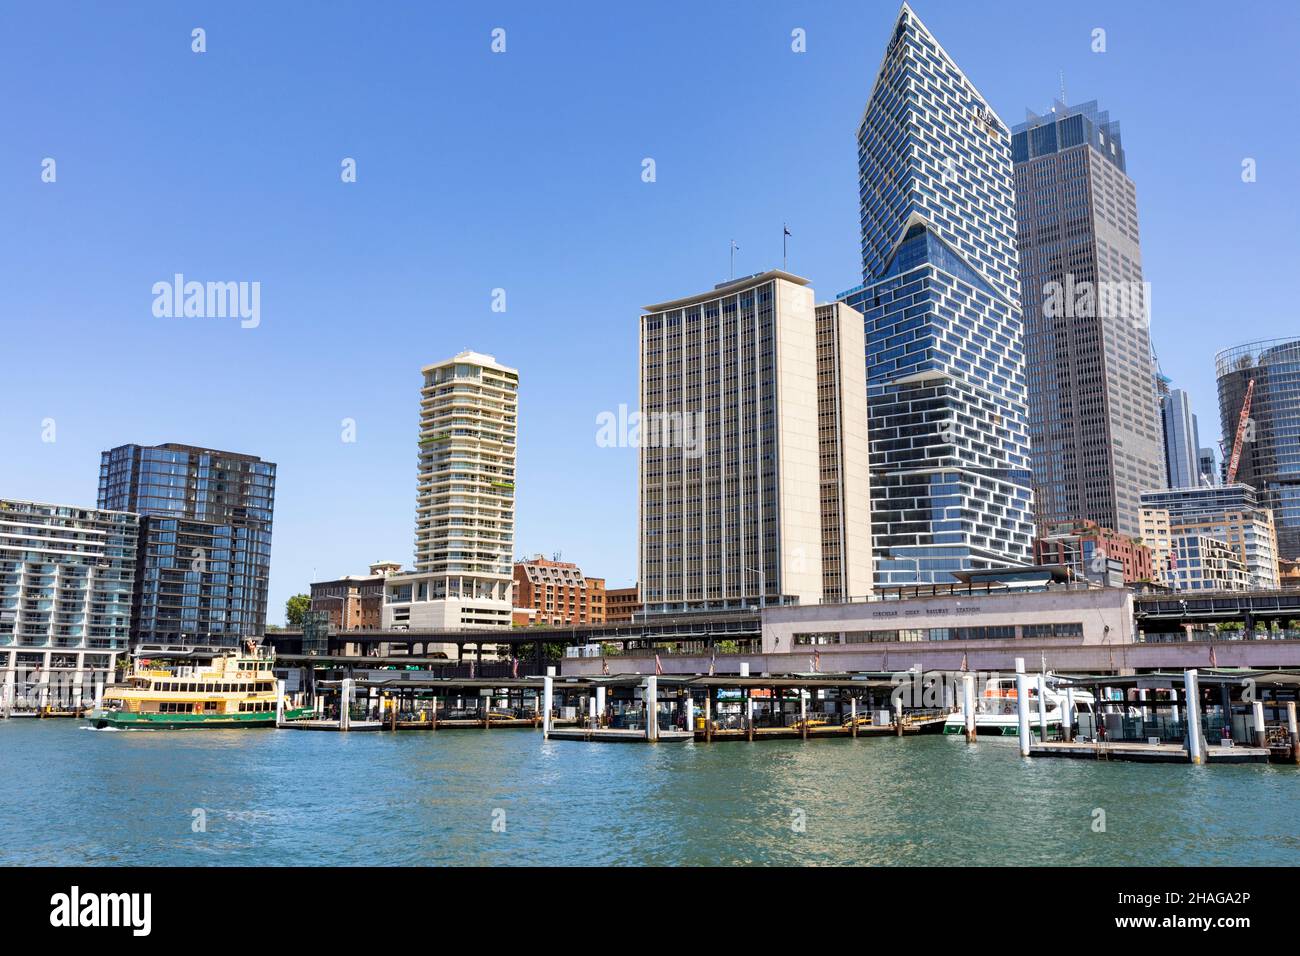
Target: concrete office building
1230,514
940,299
1270,459
1093,422
730,514
465,500
67,577
204,561
843,453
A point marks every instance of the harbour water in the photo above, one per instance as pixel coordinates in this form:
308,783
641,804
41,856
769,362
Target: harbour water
70,795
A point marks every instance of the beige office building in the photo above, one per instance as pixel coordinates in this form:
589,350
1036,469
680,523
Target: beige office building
732,443
843,447
465,500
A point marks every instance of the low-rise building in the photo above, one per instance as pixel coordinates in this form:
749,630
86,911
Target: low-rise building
622,604
1090,551
1201,563
558,592
354,601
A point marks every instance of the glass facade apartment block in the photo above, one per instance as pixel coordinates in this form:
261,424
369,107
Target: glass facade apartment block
67,576
205,540
1270,458
940,299
1094,425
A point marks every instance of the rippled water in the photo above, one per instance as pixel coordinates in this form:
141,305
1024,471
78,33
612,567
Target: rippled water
74,796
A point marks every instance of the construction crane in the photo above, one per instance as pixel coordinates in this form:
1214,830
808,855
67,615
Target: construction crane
1241,432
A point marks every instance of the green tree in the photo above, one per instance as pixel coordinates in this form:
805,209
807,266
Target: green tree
295,608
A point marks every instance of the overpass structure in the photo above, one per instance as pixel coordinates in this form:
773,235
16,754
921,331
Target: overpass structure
1118,632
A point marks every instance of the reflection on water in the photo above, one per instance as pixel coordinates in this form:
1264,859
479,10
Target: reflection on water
503,797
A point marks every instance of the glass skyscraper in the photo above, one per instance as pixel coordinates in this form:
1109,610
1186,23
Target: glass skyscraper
1270,458
205,540
940,298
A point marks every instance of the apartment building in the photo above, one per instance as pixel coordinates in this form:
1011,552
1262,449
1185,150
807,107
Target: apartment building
67,579
465,499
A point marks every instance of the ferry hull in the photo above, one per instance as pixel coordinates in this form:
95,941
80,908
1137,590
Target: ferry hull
122,720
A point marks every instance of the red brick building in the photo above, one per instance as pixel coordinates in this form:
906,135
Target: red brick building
621,604
1087,549
558,593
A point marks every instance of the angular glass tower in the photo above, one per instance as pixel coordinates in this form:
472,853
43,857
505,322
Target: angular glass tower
940,299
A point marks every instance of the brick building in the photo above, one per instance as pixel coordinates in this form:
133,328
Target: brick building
355,600
1087,549
557,592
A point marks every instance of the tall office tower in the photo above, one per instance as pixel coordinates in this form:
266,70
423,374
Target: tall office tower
843,453
465,499
1270,458
729,506
1182,441
67,576
205,540
1094,426
950,487
1207,464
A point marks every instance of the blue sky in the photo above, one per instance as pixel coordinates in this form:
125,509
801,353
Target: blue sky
522,171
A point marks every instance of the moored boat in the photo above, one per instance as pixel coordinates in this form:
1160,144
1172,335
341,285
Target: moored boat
234,689
996,713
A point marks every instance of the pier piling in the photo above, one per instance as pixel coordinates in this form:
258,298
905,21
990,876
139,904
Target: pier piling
968,705
1291,731
1194,738
1067,717
1022,711
853,715
652,709
1261,733
1042,707
548,689
708,715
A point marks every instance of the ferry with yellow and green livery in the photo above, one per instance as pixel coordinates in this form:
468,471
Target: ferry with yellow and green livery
234,689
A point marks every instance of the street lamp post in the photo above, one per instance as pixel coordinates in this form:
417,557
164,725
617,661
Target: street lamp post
762,586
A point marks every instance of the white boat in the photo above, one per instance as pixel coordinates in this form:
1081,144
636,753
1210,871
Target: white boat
996,713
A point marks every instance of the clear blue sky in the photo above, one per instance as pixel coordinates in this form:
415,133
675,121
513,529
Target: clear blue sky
523,171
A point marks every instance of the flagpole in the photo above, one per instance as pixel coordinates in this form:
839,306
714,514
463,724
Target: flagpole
785,235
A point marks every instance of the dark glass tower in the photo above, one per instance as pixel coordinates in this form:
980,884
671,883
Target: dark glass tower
941,304
205,540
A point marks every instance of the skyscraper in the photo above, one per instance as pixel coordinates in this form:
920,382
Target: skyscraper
205,540
465,499
730,514
1270,459
1093,422
1182,441
941,304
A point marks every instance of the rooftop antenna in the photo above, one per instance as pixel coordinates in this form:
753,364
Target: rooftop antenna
734,247
1062,87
